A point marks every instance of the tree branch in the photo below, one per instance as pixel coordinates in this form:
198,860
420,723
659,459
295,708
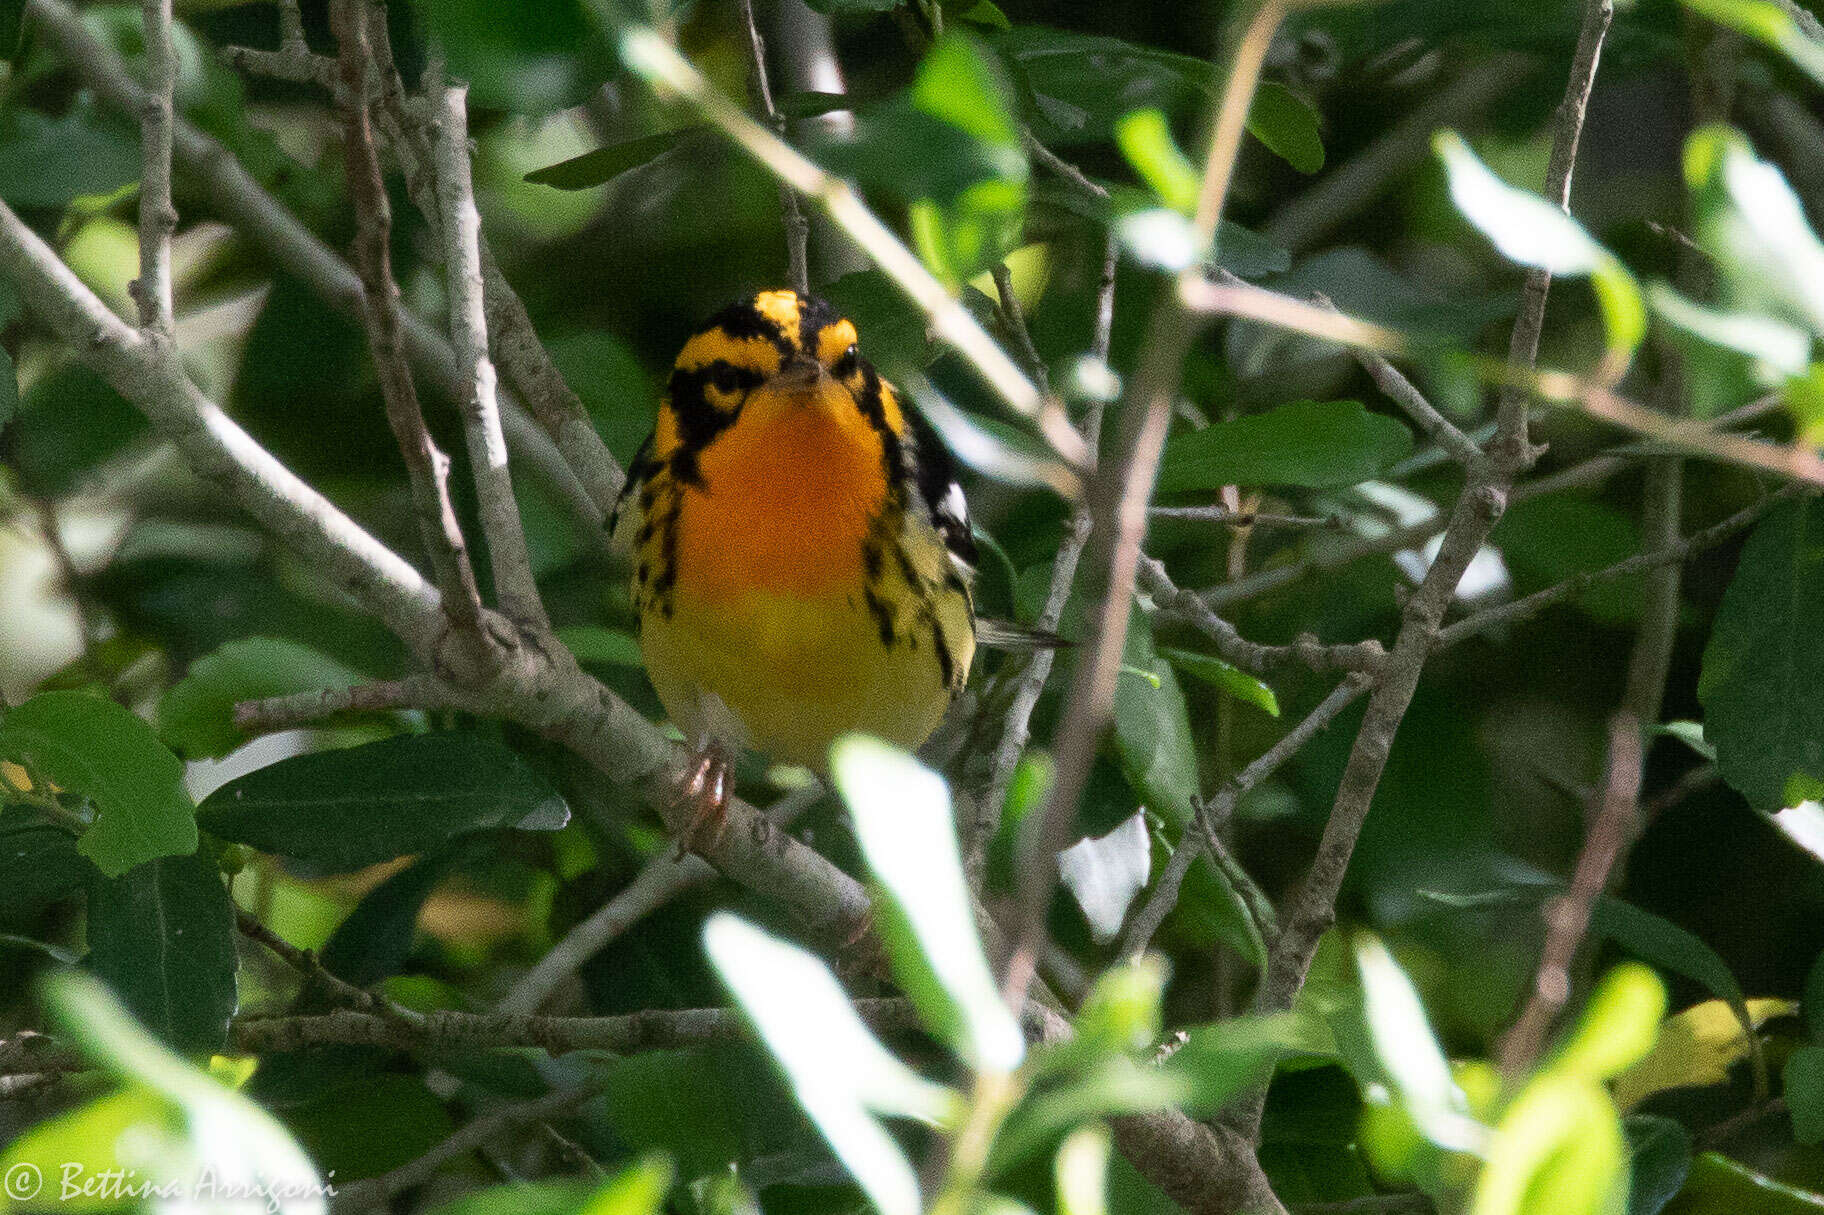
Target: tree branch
1568,918
1221,807
264,221
157,216
303,708
1311,907
427,467
791,210
514,585
1364,656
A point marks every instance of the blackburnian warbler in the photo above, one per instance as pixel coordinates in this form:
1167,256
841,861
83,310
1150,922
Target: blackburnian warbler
801,548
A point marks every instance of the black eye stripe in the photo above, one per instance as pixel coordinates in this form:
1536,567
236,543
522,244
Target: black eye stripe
720,373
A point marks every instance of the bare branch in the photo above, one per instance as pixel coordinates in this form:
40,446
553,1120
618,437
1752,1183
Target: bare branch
1013,320
374,1192
1364,656
1117,500
1244,518
264,221
1212,818
1567,132
427,466
295,65
664,878
791,210
1672,554
157,215
303,708
1310,908
514,585
1568,918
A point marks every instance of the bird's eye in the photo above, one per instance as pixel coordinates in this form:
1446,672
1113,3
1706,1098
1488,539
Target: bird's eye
723,377
848,364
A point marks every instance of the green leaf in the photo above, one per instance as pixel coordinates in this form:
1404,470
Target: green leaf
197,715
1529,230
854,6
1219,674
1666,945
838,1070
12,24
344,809
46,162
1618,1026
1122,1011
1721,1186
1804,1086
39,864
1081,1172
1287,124
172,1123
162,936
1152,735
1145,138
1312,444
367,1127
605,164
1814,1000
1660,1159
1766,654
906,827
93,747
1772,24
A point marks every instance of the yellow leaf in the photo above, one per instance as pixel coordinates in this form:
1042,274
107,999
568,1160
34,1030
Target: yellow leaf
1695,1048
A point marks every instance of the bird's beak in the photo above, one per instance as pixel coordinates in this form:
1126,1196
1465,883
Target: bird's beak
801,375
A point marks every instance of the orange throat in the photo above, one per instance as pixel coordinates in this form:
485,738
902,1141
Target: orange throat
790,492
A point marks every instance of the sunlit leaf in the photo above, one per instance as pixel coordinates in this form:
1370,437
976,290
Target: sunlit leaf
1082,1172
1618,1025
904,822
837,1068
1231,679
1752,223
1145,138
1559,1148
1772,24
1529,230
1780,346
1104,873
1409,1057
1695,1048
172,1123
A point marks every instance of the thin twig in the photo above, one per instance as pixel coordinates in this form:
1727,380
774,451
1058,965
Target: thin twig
1568,917
303,708
1118,496
1670,555
1311,907
1245,518
515,587
791,210
1402,392
664,878
157,215
1013,320
1164,895
428,467
375,1192
310,967
265,222
1365,656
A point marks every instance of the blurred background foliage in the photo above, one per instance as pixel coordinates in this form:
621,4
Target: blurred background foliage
622,224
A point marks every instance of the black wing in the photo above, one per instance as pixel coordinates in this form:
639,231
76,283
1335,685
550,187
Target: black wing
934,472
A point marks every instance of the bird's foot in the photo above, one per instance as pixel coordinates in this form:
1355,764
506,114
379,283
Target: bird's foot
707,785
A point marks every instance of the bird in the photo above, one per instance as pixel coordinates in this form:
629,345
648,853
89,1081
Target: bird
800,546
